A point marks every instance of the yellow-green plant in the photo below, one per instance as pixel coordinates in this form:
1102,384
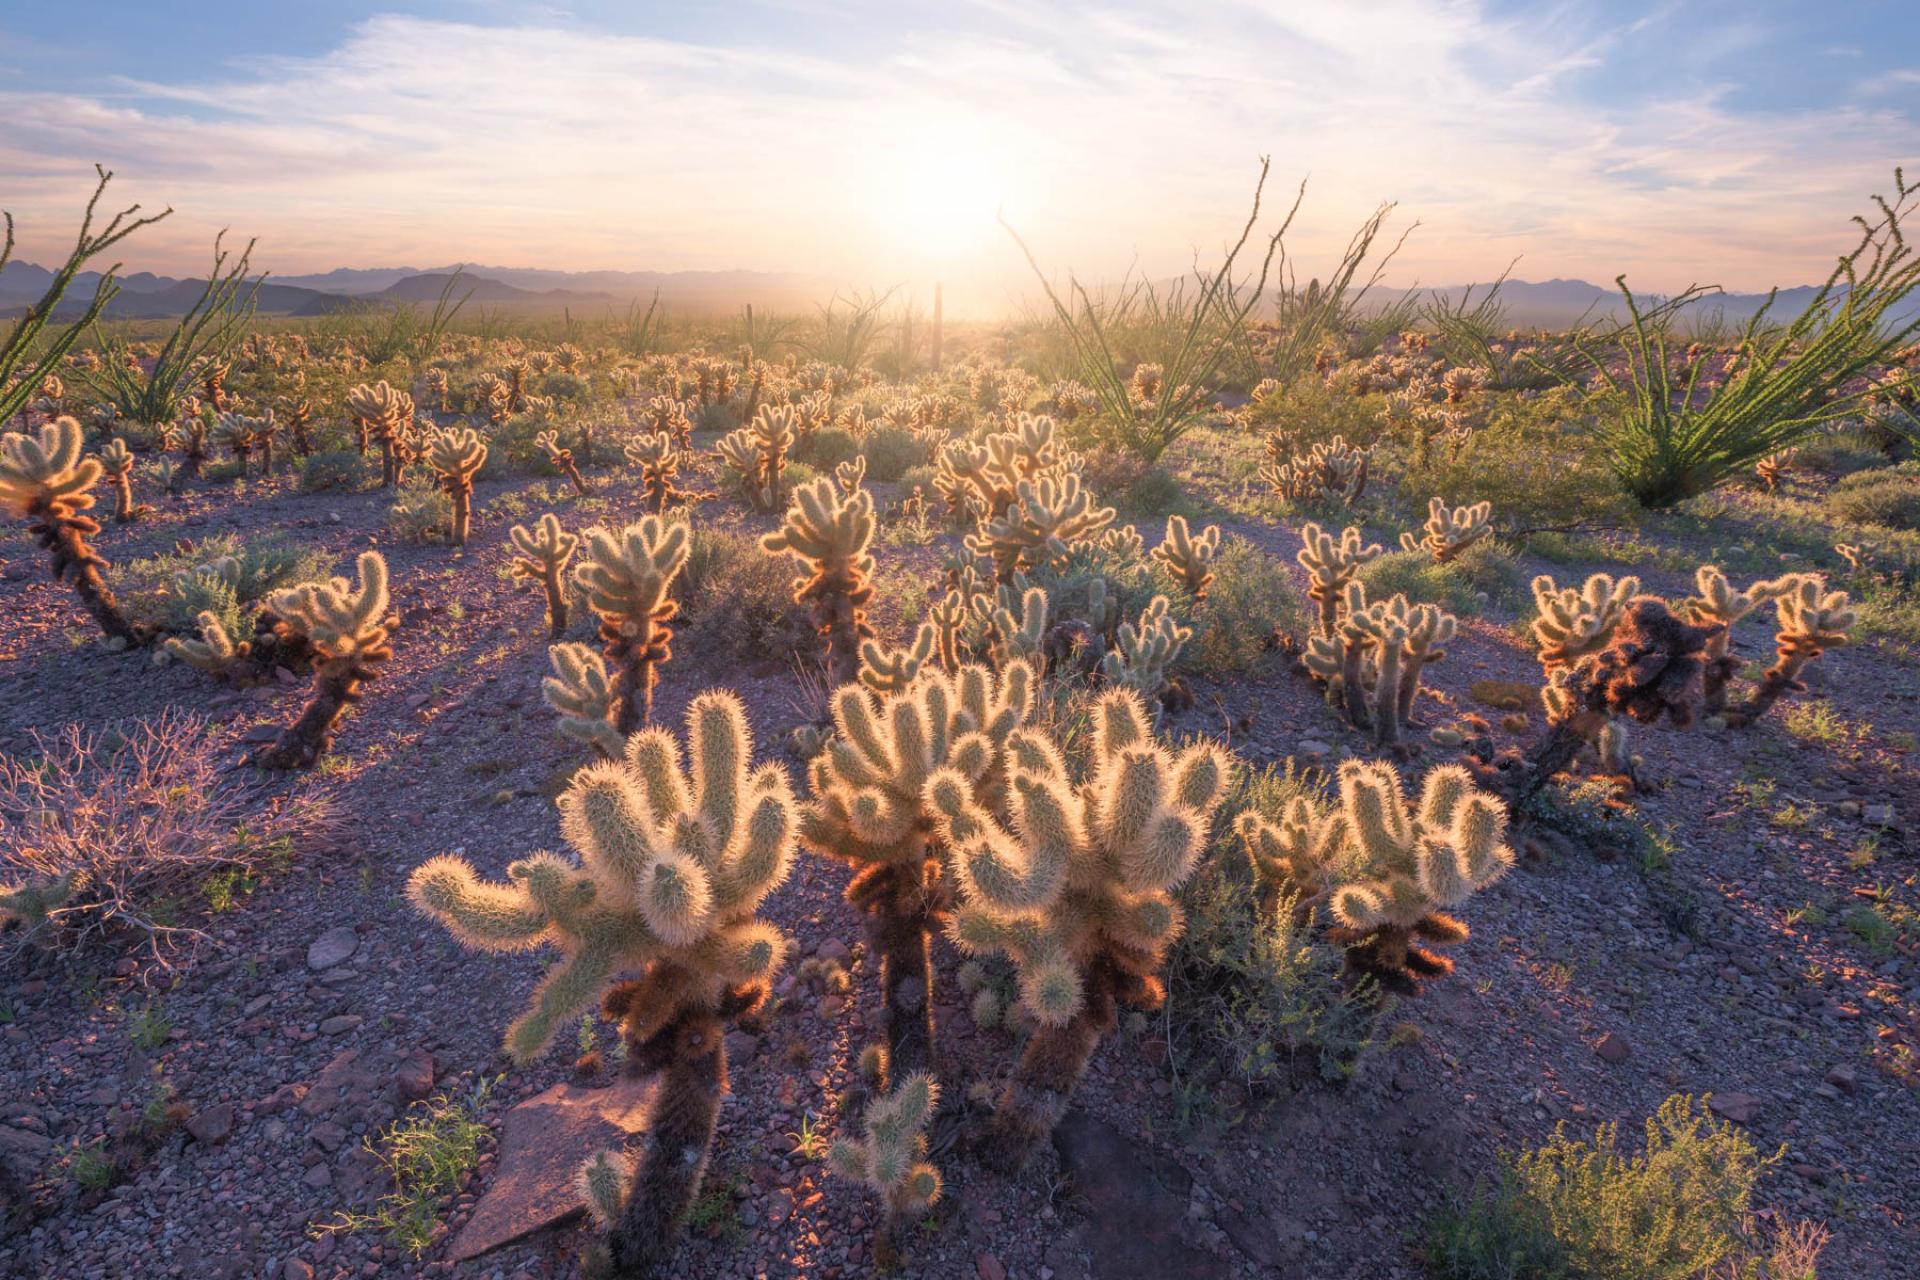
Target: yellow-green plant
891,1160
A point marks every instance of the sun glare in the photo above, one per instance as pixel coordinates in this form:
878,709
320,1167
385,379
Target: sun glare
939,200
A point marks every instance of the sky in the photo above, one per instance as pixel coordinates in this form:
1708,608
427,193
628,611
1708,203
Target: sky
873,144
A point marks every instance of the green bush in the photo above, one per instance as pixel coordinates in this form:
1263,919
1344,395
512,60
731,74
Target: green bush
1253,599
737,601
1676,1211
1840,453
892,451
1485,567
340,469
166,592
1154,494
423,513
827,448
566,386
1889,497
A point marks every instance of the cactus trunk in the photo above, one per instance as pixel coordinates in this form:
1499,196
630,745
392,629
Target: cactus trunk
1036,1096
309,737
573,475
556,600
635,660
74,561
691,1056
122,499
1780,679
899,921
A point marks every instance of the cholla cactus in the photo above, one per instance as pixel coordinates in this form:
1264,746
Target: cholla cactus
1297,860
892,1160
1077,890
885,669
674,864
668,416
986,477
387,415
1772,469
1577,621
1373,666
871,810
117,461
1144,653
758,452
435,381
44,478
1330,472
1811,620
299,420
347,629
658,458
214,652
1385,870
1450,530
627,577
562,459
1719,605
583,695
456,455
1185,556
543,554
1330,564
32,902
1049,517
828,533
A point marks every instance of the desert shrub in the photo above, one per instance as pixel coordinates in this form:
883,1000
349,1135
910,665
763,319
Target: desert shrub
892,451
1112,473
827,448
1889,497
168,593
920,477
336,469
1253,997
423,513
737,600
1253,599
566,386
1155,493
427,1157
1309,412
1840,453
1484,568
139,821
1676,1211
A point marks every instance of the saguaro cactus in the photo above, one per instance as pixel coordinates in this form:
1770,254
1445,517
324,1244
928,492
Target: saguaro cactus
1450,530
1076,889
117,460
674,864
891,1161
627,577
1330,563
543,554
1186,557
44,478
828,533
347,628
871,811
456,455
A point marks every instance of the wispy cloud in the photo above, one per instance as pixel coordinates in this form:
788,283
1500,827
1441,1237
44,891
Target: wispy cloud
1108,135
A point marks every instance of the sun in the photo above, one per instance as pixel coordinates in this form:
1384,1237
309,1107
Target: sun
939,199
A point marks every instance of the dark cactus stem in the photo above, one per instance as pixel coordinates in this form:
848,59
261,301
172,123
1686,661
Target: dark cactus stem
690,1055
900,906
122,498
340,685
1352,687
65,536
1036,1096
556,600
636,661
1780,679
460,493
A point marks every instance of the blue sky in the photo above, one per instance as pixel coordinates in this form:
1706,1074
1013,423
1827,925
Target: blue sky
1674,141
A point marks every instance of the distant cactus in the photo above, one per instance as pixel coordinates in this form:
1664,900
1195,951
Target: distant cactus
347,629
214,652
674,864
1330,564
44,478
1076,890
1185,556
388,416
1144,653
828,533
758,452
1372,667
1811,620
562,460
435,381
299,424
872,810
1327,473
583,695
627,577
1050,514
117,460
985,478
891,1161
658,458
543,554
456,455
1450,530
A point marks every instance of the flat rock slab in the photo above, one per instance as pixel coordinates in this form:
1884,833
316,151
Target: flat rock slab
1137,1198
543,1143
332,947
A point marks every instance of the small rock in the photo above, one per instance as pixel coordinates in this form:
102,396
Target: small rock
297,1268
988,1267
413,1078
1612,1048
834,950
1844,1078
1740,1108
1311,747
340,1024
319,1176
212,1126
328,1136
332,947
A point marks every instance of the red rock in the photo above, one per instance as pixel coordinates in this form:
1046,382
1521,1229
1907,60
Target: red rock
212,1127
1740,1108
296,1269
413,1078
988,1267
1612,1048
1844,1078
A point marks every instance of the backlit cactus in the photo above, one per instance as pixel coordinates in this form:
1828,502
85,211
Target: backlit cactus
1050,514
346,628
1330,563
1075,888
627,577
44,479
1326,473
456,455
1372,666
1717,604
871,810
758,453
1186,556
885,669
828,533
675,860
891,1160
387,415
561,459
1576,621
1144,653
1810,621
214,651
985,478
658,458
541,556
583,695
117,461
1450,530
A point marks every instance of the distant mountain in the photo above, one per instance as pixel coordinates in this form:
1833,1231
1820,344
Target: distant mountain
1554,304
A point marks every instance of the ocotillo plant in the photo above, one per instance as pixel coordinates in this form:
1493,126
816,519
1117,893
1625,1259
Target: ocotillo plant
871,810
117,460
562,459
44,479
1075,888
582,694
456,455
1330,564
543,554
347,628
1811,621
1386,869
828,534
891,1161
1450,530
627,577
674,864
1186,557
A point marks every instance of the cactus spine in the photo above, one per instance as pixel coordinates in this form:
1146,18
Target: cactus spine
1185,556
828,533
543,554
456,455
674,863
627,577
891,1160
347,629
1075,889
44,478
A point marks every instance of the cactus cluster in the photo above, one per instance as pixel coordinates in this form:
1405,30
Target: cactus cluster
383,415
1040,527
1074,886
1331,564
1143,655
658,457
1450,530
758,453
675,858
347,628
1186,556
891,1160
1373,663
828,533
44,479
1333,472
